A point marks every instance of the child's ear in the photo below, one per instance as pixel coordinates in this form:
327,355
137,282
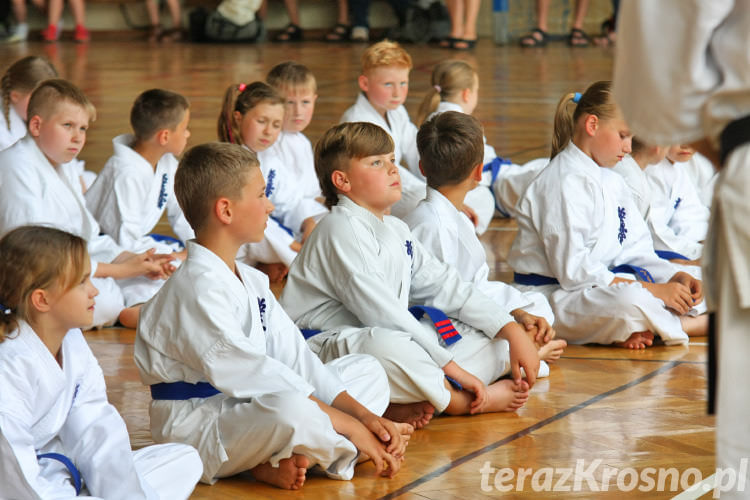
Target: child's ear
39,300
476,173
465,94
237,117
341,181
223,210
421,169
591,124
364,84
15,96
162,137
35,124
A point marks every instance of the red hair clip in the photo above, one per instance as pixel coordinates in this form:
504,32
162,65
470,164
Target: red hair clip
242,87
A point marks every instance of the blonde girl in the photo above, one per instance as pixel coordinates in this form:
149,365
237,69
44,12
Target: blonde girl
60,436
17,83
583,243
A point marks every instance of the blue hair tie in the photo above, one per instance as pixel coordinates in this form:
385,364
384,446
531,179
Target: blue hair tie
4,309
576,97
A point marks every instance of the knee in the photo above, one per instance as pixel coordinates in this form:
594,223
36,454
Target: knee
388,346
284,408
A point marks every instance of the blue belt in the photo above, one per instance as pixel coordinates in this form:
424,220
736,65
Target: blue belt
442,323
282,226
182,390
309,332
163,238
539,280
494,166
669,255
77,481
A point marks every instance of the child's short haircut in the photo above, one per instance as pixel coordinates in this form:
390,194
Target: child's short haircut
208,172
385,53
343,143
450,145
33,257
50,93
156,110
291,75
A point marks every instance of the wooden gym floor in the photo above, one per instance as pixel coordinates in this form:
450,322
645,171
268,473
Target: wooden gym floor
600,408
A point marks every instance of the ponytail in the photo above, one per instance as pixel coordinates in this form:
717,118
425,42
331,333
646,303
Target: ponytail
242,98
449,78
597,100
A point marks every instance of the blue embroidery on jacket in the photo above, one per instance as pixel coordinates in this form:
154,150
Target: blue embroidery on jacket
269,182
677,203
262,307
622,234
163,192
409,249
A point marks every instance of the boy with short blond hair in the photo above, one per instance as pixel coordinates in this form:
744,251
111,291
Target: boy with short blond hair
297,85
361,270
136,185
451,149
229,371
39,185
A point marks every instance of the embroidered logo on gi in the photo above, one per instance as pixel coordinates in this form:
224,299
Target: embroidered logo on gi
622,233
262,307
163,192
73,399
269,182
677,203
409,249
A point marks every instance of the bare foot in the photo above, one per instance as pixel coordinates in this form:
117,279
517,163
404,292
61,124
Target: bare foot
552,350
416,414
638,340
276,271
129,316
289,475
506,395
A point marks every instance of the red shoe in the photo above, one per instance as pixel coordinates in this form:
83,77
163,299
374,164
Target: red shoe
81,34
50,34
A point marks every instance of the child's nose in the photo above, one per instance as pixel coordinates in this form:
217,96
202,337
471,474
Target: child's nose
269,206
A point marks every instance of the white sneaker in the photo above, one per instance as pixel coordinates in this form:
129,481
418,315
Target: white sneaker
360,34
19,33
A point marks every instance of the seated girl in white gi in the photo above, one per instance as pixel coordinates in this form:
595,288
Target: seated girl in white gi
229,372
61,436
252,116
582,240
678,218
296,84
455,87
38,185
450,152
360,271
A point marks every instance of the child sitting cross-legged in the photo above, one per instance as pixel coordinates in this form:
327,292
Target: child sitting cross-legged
229,372
361,269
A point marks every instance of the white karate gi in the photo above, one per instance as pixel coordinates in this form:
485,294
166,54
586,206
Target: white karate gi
32,191
577,220
17,130
48,408
129,197
449,235
298,156
208,325
512,181
355,279
404,135
703,175
638,183
677,218
707,46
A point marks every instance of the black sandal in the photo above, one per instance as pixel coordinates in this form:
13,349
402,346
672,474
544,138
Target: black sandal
339,33
291,33
578,38
531,41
